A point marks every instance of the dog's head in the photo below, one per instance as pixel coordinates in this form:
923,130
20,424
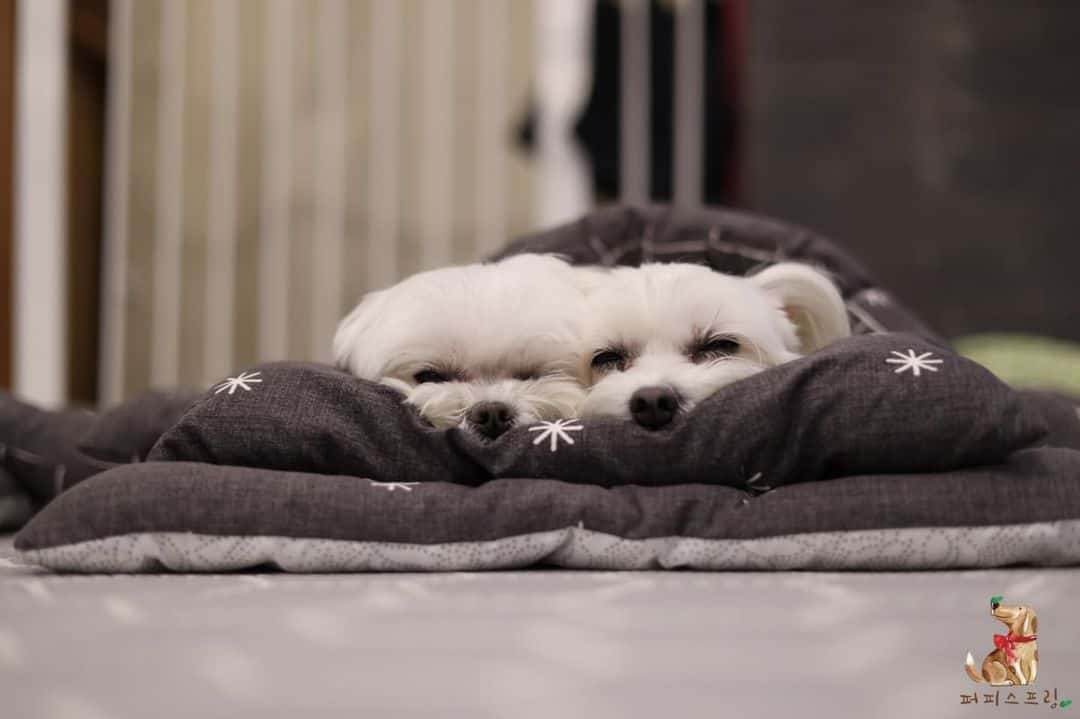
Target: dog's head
663,337
483,346
1020,619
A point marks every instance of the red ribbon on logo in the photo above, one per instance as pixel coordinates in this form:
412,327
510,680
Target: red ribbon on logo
1008,643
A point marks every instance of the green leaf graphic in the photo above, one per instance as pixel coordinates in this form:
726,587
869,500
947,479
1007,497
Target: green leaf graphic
1065,703
996,600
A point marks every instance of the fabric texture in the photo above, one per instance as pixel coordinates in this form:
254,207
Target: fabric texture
38,447
15,504
1039,543
1060,413
728,241
1035,487
128,431
885,403
315,418
43,452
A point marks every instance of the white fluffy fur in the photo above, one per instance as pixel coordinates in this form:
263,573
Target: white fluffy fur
507,332
656,312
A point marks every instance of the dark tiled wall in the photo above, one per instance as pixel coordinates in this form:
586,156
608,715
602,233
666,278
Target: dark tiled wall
938,140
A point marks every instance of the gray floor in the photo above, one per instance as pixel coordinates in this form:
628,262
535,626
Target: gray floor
516,644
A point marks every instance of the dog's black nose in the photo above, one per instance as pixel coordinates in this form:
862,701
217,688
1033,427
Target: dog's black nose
490,419
994,605
654,407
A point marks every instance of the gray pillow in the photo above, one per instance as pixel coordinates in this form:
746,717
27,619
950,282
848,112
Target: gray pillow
315,418
871,404
1060,412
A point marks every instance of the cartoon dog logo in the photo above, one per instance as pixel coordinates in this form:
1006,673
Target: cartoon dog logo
1015,659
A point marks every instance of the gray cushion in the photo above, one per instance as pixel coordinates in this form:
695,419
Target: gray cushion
129,430
1060,412
43,452
315,418
15,504
38,447
203,517
860,406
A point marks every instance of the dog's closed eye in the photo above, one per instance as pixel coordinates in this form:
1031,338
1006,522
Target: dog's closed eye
714,348
609,360
429,375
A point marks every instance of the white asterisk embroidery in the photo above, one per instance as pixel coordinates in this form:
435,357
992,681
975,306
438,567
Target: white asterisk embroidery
556,430
916,364
391,486
244,381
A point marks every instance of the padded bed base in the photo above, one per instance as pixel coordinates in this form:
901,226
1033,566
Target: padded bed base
189,516
883,451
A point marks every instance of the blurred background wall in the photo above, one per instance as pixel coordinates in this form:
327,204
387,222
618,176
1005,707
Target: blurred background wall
240,171
938,139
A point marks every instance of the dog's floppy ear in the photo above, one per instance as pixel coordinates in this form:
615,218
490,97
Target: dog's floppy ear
350,332
809,299
1031,623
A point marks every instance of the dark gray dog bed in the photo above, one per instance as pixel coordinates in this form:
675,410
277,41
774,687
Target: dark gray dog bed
886,450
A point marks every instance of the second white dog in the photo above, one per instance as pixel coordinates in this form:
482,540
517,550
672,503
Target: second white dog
664,337
483,347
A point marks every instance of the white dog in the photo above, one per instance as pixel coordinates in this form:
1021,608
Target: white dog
663,337
483,347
